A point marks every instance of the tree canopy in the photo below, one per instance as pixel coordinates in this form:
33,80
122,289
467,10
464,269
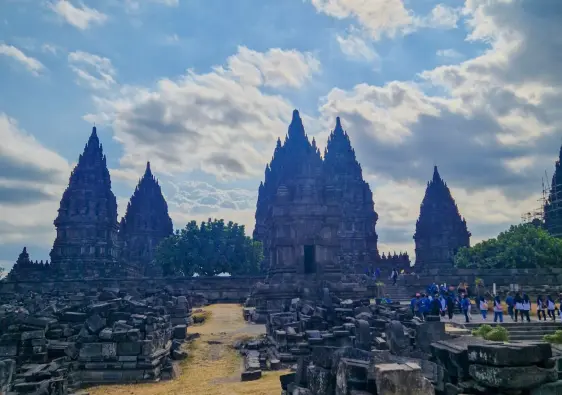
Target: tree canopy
209,249
522,246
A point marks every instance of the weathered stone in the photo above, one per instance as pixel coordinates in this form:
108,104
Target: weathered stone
402,379
512,354
512,377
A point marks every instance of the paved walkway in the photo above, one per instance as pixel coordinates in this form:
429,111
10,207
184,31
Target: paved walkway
477,319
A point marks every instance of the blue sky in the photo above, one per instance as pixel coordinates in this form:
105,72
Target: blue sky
202,89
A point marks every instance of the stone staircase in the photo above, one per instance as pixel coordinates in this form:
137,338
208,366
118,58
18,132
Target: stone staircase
398,293
534,330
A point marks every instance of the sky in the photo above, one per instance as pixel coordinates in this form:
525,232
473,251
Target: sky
203,88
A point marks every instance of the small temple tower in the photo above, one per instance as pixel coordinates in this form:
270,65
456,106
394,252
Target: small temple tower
553,205
145,224
86,242
440,229
345,185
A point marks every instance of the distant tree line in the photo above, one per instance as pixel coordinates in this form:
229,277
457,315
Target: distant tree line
208,249
522,246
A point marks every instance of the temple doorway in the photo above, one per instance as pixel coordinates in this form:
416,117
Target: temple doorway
309,259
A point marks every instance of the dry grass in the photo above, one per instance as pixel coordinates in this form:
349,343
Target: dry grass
211,369
201,316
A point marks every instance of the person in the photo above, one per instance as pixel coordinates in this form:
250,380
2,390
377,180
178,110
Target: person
509,301
541,307
416,306
435,306
550,307
424,305
518,305
498,309
394,276
525,308
465,306
450,306
378,273
387,299
443,303
483,307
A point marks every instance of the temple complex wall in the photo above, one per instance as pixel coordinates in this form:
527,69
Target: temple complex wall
214,289
235,289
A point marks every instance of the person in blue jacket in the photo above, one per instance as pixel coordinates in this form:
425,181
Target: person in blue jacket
465,306
424,305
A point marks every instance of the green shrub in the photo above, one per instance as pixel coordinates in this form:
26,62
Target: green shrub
555,338
482,330
487,332
498,334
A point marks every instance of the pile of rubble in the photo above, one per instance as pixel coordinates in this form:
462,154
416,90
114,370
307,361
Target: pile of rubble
354,347
49,343
476,366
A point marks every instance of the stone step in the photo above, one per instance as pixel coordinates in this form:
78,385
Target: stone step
527,337
507,325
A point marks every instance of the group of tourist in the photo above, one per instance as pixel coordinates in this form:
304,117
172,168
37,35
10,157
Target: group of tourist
443,301
376,274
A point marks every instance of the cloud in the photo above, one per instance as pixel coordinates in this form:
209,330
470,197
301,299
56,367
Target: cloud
224,119
32,179
32,65
81,17
357,48
92,70
449,54
197,197
50,48
388,18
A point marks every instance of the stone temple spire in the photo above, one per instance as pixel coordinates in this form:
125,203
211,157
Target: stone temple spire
553,205
440,229
346,185
87,217
146,222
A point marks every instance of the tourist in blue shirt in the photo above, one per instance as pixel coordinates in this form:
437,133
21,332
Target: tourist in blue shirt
415,304
424,305
465,306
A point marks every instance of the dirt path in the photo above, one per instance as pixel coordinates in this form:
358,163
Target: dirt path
213,367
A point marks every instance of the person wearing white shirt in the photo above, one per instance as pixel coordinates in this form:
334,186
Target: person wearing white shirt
483,307
498,309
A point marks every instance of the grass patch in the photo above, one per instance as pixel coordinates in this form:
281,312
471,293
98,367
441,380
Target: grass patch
201,316
497,333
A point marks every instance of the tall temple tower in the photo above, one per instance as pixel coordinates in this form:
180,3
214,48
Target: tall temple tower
345,184
553,205
440,229
86,224
299,229
145,224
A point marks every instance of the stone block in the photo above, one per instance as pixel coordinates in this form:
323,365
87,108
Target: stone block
179,332
402,379
129,348
250,375
512,354
554,388
512,377
320,380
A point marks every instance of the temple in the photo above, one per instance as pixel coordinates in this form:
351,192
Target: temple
26,269
345,185
301,220
440,229
553,205
333,185
145,224
87,218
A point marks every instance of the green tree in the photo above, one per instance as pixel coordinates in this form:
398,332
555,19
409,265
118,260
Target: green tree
209,249
522,246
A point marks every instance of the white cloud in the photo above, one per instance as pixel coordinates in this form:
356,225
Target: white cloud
357,48
388,17
449,54
223,118
31,64
80,17
380,17
50,48
441,16
95,71
32,180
